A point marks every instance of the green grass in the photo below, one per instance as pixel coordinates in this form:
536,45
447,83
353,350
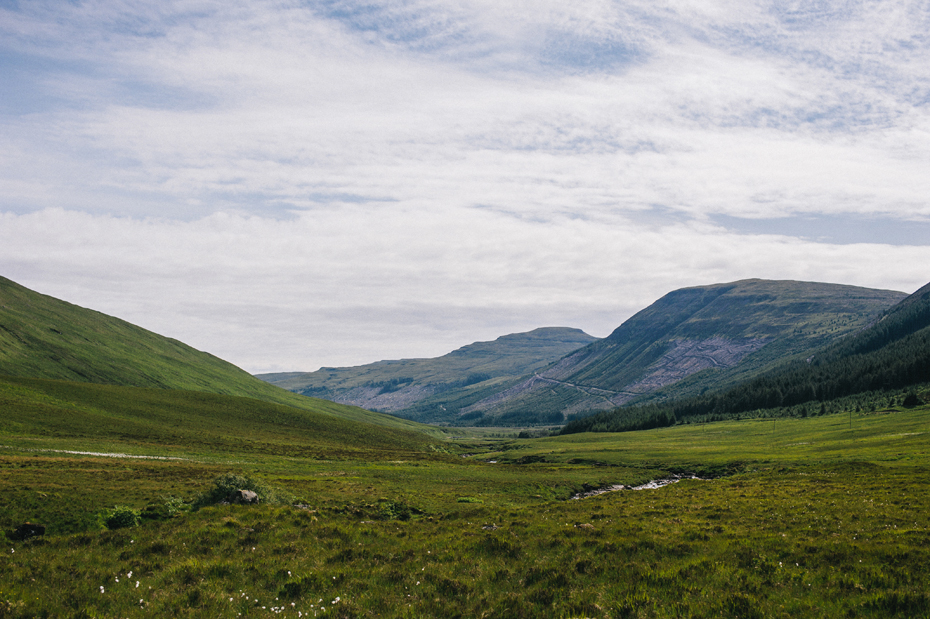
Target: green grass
810,518
849,541
49,414
885,436
43,337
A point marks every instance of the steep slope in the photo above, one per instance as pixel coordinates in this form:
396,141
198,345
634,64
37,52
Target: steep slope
725,332
436,389
892,353
44,337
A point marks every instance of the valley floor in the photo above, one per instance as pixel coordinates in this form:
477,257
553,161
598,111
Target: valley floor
823,517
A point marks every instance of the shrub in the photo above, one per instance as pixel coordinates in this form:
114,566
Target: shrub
168,507
911,401
394,510
120,517
226,484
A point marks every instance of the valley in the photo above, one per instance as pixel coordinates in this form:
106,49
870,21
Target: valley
796,510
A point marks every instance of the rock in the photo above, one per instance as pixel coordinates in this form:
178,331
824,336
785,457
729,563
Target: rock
242,497
28,530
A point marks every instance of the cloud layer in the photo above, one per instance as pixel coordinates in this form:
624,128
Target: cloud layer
296,184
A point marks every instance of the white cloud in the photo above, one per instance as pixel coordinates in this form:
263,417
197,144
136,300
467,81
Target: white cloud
358,283
293,184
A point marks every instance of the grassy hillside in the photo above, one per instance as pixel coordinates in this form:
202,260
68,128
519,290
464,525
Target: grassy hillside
718,335
44,337
890,355
434,390
164,421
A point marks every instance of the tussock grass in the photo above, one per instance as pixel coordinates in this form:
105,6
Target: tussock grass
831,542
825,521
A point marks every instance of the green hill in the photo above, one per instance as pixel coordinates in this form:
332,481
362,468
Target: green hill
64,414
44,337
435,390
891,354
713,336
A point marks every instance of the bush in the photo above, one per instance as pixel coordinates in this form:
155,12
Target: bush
912,400
226,484
394,510
120,517
168,507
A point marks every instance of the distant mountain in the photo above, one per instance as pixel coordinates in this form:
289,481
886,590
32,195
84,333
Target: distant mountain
693,339
435,390
893,352
44,337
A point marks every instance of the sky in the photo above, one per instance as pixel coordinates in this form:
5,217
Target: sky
296,184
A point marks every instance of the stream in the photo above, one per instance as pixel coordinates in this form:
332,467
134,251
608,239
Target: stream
649,485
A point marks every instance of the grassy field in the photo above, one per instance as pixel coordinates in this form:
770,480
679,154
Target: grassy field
887,436
819,517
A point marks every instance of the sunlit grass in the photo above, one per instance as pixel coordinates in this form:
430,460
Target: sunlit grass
884,436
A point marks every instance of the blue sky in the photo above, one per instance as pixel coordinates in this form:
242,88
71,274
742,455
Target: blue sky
291,185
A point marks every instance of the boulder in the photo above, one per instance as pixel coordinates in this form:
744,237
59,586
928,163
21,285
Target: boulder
242,497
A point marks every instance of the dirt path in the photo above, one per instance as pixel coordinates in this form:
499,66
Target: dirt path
99,454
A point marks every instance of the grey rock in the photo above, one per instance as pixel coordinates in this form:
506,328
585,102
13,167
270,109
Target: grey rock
242,497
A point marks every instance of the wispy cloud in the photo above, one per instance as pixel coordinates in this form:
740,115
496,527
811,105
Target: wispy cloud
447,171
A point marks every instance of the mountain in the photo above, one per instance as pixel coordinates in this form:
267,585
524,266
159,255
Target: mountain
892,353
44,337
695,339
436,389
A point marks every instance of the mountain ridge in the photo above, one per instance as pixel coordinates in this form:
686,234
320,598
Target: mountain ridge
890,353
429,384
729,331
